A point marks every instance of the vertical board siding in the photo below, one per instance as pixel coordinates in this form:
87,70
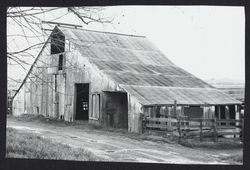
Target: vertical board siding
134,115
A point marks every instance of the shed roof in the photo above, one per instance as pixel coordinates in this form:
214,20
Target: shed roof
149,95
143,70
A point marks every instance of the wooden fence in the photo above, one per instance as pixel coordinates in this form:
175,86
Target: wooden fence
186,127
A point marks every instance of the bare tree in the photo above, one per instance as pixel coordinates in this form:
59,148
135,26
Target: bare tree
28,20
26,32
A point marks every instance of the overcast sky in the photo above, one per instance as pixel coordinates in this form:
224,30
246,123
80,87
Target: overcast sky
209,42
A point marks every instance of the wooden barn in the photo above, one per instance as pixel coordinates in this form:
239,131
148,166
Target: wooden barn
113,80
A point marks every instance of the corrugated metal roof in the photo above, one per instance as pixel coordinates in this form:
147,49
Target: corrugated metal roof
143,70
149,95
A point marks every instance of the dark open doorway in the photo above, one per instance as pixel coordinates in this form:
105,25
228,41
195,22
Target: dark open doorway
116,109
82,102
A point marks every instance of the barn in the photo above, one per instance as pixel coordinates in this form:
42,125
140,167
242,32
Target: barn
113,80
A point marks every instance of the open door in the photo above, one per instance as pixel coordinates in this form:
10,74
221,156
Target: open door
82,102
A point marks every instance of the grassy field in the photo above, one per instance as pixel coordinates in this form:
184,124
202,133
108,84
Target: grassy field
22,144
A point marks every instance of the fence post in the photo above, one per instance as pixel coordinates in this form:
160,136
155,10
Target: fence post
178,121
188,128
201,137
215,129
143,124
169,124
179,129
242,129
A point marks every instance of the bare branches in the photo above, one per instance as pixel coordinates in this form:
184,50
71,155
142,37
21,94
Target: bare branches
25,31
30,47
28,12
88,15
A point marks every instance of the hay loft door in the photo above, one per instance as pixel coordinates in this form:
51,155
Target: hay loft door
82,102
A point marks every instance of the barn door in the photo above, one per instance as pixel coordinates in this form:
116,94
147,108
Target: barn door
82,101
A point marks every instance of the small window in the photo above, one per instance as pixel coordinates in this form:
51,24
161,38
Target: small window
57,42
85,105
60,64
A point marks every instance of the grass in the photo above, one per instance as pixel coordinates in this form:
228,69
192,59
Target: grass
152,136
221,146
237,158
22,144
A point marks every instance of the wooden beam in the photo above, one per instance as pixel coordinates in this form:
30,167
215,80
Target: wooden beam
175,105
61,24
45,29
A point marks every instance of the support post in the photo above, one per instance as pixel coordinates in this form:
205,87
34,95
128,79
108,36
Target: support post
168,119
201,137
178,120
215,129
241,127
175,105
144,119
242,130
227,115
219,115
10,106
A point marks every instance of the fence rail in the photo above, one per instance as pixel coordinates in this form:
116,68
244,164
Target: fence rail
187,127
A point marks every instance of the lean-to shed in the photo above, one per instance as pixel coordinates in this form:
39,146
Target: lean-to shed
113,79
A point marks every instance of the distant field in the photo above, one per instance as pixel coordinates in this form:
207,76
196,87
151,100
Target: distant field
21,144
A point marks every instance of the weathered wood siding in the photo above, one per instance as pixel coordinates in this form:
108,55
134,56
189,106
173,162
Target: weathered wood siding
134,115
79,70
29,99
52,93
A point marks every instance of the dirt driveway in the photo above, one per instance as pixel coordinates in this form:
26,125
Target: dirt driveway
113,147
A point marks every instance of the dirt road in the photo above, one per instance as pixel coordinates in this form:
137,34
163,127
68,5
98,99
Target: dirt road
113,147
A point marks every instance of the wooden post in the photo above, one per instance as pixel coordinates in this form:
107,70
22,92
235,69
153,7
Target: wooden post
10,106
219,114
201,137
168,119
144,121
227,115
242,127
178,119
215,129
179,129
188,127
175,105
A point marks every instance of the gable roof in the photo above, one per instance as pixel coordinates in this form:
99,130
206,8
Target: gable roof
143,70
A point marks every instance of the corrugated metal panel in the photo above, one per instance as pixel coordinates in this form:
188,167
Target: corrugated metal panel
129,78
116,47
139,67
149,95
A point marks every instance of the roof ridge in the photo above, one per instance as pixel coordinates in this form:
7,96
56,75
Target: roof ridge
130,35
97,44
